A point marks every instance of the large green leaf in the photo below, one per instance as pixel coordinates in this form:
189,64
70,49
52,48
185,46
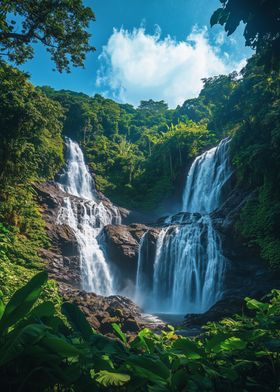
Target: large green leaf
107,345
60,346
22,301
150,367
179,379
253,304
187,347
119,332
19,339
109,379
45,309
77,319
215,341
233,343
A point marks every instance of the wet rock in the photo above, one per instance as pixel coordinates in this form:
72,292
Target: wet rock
246,273
62,258
131,325
222,309
101,311
122,246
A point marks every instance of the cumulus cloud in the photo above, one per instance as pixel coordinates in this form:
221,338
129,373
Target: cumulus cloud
137,66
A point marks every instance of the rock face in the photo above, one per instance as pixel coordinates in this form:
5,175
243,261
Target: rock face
122,245
245,275
63,265
101,312
222,309
63,256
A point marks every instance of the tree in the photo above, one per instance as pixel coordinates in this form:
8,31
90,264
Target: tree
262,25
60,25
30,131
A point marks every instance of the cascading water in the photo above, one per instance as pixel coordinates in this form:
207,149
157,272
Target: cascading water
86,216
206,180
189,266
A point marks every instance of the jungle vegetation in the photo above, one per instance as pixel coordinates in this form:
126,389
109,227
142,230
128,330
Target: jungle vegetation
138,157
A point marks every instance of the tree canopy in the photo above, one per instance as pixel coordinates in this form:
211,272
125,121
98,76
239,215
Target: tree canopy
262,25
60,25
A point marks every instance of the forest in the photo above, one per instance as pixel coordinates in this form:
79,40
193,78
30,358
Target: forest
138,157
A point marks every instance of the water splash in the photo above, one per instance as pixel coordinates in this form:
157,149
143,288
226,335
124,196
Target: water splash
189,267
206,179
87,217
75,178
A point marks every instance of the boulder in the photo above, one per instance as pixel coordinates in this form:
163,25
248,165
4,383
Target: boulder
122,246
101,311
222,309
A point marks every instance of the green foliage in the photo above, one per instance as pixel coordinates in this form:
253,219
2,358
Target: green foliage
61,26
255,151
30,129
38,350
260,223
212,106
262,25
31,150
137,155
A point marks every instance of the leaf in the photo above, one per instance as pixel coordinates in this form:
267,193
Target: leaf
2,305
253,304
108,379
60,346
77,319
46,309
273,345
232,23
187,347
119,332
233,343
26,336
216,16
212,343
152,366
179,379
107,345
22,301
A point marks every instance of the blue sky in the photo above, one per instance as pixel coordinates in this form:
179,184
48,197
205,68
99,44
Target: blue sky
156,49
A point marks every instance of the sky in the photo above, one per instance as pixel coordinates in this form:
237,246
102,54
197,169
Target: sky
158,49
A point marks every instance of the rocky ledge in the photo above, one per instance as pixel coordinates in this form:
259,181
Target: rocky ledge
62,263
101,311
122,246
245,272
222,309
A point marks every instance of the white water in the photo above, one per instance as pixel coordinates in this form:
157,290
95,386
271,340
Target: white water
87,217
206,178
189,266
76,179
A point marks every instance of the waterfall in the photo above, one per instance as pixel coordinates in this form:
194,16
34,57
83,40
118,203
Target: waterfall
87,217
189,266
76,179
207,178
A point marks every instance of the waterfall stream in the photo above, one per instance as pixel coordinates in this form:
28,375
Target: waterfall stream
189,266
87,217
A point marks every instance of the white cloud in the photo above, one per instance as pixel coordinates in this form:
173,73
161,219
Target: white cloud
220,38
138,66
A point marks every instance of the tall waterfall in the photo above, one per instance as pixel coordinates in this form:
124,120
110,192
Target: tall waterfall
189,266
206,179
86,216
